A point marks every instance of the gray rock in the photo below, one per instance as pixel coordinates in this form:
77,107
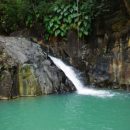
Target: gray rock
35,71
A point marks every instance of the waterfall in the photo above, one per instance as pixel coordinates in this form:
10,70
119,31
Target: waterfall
72,76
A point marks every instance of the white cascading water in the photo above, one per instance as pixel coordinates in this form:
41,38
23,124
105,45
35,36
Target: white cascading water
70,73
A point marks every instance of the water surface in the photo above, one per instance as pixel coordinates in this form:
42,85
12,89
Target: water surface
66,112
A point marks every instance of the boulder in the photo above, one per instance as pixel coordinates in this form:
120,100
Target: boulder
26,70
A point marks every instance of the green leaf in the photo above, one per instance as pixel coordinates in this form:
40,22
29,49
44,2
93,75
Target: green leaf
81,29
62,6
65,14
57,32
74,15
79,23
66,8
60,17
85,33
69,20
75,7
64,19
86,17
71,10
62,34
85,24
76,19
51,24
56,8
56,26
80,34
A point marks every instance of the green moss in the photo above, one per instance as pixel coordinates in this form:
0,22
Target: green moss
28,84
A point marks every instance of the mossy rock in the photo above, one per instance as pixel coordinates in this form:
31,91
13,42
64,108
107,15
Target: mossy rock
28,83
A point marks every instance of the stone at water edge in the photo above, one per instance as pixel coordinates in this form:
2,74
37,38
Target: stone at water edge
34,72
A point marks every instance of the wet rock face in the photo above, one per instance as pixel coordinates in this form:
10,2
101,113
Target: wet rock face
25,70
104,57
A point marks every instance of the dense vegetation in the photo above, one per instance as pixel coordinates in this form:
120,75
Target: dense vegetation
56,17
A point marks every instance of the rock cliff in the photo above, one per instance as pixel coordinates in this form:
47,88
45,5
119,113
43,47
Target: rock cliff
103,57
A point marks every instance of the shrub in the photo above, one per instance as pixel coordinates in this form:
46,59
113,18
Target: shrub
13,15
67,17
58,16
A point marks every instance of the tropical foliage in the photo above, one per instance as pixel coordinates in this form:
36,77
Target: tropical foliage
67,17
57,17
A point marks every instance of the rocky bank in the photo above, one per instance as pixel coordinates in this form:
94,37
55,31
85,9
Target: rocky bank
26,70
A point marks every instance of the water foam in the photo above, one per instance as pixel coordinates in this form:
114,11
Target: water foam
72,76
